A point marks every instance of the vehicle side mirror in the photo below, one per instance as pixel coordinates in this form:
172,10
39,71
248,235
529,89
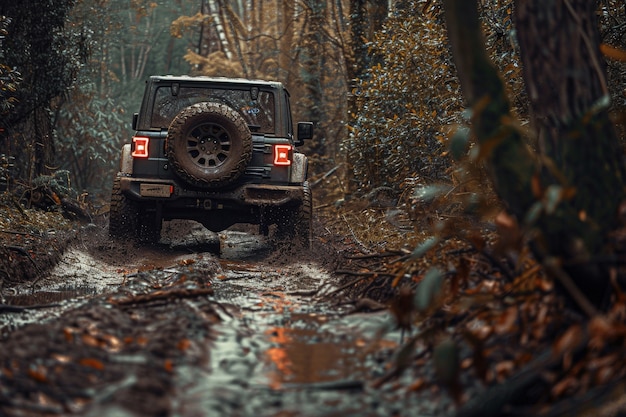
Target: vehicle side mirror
135,119
305,131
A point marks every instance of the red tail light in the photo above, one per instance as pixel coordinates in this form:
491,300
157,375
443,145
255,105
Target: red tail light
282,155
141,147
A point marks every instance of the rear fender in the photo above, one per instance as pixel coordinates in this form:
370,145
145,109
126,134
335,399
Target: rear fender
126,161
299,168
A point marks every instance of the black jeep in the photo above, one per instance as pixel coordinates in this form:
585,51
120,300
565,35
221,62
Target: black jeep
219,151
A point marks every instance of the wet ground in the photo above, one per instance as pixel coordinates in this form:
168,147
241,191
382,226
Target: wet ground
201,325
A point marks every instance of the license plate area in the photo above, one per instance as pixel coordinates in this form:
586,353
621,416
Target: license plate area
155,190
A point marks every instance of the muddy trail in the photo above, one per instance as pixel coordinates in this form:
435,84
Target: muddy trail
180,329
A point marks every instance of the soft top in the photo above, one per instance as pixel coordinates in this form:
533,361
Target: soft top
213,80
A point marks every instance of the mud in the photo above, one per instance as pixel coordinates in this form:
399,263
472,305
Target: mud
202,324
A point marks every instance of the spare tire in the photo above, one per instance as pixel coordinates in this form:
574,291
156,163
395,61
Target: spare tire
209,144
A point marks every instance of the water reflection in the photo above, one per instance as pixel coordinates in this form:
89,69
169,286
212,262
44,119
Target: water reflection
302,354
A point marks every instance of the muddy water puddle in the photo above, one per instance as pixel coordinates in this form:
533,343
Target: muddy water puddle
282,354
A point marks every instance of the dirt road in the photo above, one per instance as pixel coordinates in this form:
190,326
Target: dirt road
180,330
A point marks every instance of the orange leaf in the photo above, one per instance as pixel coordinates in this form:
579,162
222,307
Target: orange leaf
68,333
56,198
535,185
504,369
566,385
569,340
613,52
38,374
507,321
419,384
113,342
183,344
604,375
89,340
168,365
92,363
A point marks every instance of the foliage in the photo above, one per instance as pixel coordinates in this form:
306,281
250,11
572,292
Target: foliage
409,101
127,43
47,61
9,77
89,131
566,195
405,103
612,19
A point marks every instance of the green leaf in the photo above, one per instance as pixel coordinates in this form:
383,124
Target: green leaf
429,289
424,247
533,213
446,361
427,193
553,198
458,142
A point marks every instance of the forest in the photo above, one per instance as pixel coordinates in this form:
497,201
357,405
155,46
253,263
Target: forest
492,130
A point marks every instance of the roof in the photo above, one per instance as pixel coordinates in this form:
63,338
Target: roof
214,80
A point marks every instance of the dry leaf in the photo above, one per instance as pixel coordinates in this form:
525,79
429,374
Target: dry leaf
568,341
89,340
92,363
183,344
168,365
39,374
566,385
507,321
613,52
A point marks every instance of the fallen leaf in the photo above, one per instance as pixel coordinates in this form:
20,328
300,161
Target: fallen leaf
613,52
565,386
68,332
504,369
61,358
568,340
420,383
183,344
113,342
92,363
168,365
89,340
39,374
604,375
507,321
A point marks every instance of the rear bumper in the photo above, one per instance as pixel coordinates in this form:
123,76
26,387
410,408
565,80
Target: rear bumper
168,193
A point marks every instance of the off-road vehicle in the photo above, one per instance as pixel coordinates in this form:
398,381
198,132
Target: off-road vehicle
219,151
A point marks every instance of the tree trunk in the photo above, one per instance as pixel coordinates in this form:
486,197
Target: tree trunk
570,199
311,73
219,28
356,58
506,156
285,47
566,82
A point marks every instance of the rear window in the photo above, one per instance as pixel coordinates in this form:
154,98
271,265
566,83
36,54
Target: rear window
259,113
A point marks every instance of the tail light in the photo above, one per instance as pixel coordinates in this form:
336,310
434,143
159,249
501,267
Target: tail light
140,146
282,155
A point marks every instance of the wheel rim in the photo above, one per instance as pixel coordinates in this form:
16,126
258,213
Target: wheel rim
208,145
